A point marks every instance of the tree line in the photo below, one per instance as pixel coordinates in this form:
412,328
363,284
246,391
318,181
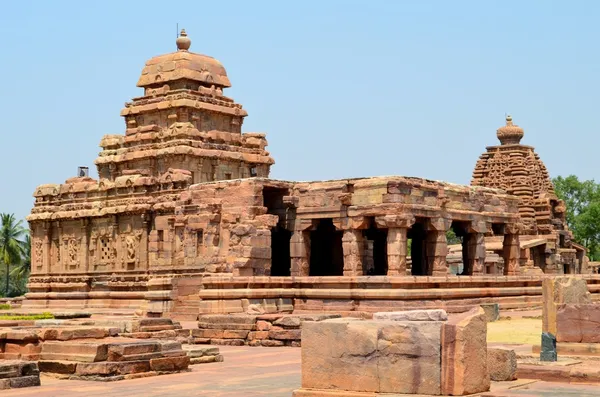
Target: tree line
15,255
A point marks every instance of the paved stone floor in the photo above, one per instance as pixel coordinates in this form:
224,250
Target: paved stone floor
252,372
246,372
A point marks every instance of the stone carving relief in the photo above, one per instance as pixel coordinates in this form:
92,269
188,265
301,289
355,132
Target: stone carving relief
39,252
131,242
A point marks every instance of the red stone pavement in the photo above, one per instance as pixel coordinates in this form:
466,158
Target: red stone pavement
246,371
249,372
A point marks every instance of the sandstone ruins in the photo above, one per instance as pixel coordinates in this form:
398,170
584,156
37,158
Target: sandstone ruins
184,204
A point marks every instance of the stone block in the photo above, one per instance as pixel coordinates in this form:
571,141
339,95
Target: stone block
263,325
412,315
579,323
409,359
112,368
234,334
74,351
285,334
557,291
254,335
170,364
502,364
464,354
25,381
492,311
548,349
57,367
288,322
372,356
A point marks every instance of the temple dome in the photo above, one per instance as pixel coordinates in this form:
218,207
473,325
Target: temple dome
183,64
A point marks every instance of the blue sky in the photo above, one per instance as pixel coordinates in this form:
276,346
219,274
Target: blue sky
342,88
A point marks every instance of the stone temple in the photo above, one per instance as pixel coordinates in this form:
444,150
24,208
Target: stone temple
185,220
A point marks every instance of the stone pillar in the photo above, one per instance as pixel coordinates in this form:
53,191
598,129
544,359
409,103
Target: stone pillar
396,251
397,226
353,246
437,250
299,254
476,253
511,253
437,246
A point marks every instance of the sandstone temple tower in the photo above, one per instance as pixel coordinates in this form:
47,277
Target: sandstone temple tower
518,170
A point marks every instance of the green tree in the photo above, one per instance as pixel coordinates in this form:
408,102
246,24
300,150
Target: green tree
582,199
20,272
11,244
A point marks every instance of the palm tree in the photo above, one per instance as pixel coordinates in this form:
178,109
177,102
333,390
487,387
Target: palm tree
11,245
20,272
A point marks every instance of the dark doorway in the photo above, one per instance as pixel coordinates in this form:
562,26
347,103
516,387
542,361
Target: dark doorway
376,251
280,251
417,236
280,235
326,254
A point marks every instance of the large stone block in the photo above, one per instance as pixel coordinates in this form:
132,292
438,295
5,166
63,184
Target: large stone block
502,364
409,357
557,291
371,356
464,354
578,323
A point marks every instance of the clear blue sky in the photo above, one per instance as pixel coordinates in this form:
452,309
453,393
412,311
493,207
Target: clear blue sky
342,88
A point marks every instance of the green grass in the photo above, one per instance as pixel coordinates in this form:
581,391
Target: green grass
39,316
4,306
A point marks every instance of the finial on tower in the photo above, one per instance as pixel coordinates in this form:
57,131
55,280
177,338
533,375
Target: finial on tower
510,134
183,41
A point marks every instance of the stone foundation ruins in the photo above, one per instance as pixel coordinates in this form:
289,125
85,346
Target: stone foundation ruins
183,198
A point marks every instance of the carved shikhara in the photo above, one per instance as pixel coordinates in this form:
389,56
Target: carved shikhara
185,193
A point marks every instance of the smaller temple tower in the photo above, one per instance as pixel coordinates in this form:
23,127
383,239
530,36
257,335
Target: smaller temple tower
517,169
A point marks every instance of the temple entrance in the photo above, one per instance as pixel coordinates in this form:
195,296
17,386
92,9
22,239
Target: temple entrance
375,252
280,251
416,241
326,254
280,235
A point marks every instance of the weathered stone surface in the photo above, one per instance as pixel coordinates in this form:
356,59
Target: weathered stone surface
557,291
413,315
371,356
17,374
57,367
578,323
169,364
464,353
74,351
548,350
285,334
288,322
502,364
492,311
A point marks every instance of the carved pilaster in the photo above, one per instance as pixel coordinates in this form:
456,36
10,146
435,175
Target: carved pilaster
396,251
511,253
353,245
299,250
84,251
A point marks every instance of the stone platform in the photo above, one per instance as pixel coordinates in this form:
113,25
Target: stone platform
112,359
268,330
